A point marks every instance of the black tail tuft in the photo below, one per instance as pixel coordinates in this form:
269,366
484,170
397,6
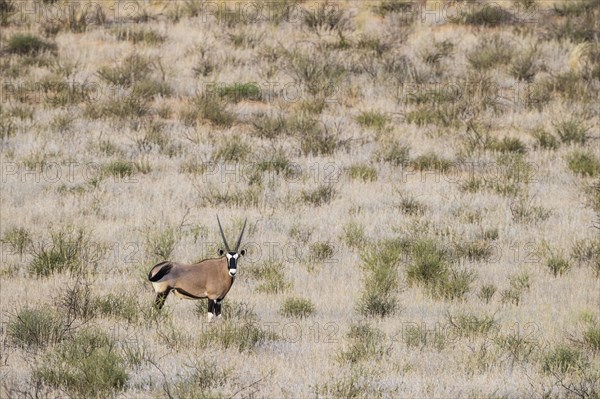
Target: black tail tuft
165,268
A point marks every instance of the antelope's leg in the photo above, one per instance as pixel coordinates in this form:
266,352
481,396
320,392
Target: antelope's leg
218,308
159,301
211,309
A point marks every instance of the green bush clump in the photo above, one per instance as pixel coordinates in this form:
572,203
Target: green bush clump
297,308
66,252
37,327
90,365
27,44
380,266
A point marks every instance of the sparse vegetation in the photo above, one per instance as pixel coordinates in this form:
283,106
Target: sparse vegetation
420,180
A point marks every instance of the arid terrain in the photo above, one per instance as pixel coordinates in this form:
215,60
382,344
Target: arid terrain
421,182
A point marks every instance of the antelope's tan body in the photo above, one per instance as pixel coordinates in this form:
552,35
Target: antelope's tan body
206,279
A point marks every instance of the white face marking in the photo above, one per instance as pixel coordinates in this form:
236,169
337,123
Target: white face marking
228,255
232,272
235,256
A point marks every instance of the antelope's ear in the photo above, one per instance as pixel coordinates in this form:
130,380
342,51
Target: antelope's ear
243,252
221,252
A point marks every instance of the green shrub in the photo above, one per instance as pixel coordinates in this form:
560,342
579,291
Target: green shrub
418,336
583,163
271,277
524,67
232,149
130,70
514,175
394,6
18,238
89,365
455,286
119,169
122,306
354,235
37,327
393,153
490,52
162,243
572,131
519,346
321,195
545,140
362,172
373,119
365,344
319,73
486,292
278,162
237,92
469,324
411,206
208,108
557,265
27,44
518,284
380,267
321,251
297,308
524,210
431,161
428,264
509,144
561,359
430,267
66,253
316,138
445,115
591,336
474,250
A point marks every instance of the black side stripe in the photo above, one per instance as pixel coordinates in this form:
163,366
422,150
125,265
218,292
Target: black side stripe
164,270
183,292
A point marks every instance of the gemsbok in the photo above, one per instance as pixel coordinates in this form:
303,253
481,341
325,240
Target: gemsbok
209,278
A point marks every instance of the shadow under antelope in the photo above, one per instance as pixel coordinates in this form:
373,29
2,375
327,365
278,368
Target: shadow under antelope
209,278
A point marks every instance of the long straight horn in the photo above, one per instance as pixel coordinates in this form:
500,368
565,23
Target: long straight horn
223,235
241,234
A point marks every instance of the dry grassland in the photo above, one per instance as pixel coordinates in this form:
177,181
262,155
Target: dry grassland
421,181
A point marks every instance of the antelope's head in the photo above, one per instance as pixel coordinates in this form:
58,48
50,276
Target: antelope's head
232,255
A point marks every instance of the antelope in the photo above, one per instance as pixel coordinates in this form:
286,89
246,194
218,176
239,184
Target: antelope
209,278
